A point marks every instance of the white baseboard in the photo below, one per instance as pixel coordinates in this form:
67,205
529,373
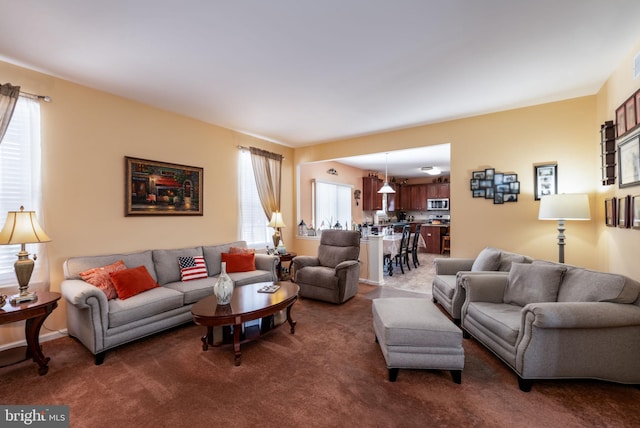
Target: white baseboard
370,282
43,338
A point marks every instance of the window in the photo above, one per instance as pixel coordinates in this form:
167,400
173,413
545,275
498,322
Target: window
253,223
332,204
20,184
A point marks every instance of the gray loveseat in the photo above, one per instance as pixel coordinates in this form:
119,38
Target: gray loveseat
447,288
552,321
102,324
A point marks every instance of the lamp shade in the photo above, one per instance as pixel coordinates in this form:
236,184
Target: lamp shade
565,206
276,220
22,227
386,188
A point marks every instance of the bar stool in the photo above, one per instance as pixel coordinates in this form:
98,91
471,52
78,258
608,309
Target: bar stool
446,244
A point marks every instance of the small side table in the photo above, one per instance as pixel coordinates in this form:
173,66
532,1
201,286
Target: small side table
34,313
283,259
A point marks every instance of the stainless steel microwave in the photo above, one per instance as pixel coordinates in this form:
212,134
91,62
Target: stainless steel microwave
440,204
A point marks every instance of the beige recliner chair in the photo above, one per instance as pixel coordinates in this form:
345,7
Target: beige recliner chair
333,275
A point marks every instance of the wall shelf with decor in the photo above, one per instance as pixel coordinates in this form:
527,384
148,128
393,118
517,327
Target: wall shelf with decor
608,152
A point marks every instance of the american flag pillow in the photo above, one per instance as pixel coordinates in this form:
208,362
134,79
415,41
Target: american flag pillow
192,268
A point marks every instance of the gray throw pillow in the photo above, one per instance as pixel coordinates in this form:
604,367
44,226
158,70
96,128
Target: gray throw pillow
530,283
487,260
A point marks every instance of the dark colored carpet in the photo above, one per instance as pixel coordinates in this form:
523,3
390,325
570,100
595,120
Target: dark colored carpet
330,373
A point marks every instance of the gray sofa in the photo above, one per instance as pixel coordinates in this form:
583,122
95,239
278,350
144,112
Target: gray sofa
102,324
553,321
447,289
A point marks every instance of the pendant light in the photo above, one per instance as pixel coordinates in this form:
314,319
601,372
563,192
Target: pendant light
385,187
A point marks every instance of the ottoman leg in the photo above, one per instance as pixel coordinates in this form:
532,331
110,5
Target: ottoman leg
457,376
393,374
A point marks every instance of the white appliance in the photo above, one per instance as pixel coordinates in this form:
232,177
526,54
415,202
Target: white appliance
440,204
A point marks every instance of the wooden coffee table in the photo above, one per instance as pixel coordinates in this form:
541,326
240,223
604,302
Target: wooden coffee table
247,304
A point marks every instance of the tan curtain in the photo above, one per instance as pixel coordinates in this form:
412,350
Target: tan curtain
8,98
267,168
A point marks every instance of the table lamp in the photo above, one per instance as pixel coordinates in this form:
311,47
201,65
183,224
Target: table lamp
565,206
276,222
22,228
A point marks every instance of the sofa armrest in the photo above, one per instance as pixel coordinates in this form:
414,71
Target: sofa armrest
267,262
346,264
300,262
485,286
82,294
581,314
451,266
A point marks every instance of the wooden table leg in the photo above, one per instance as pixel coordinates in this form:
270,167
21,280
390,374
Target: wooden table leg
291,322
207,339
236,344
32,333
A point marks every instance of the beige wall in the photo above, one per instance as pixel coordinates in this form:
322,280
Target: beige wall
86,134
618,248
511,141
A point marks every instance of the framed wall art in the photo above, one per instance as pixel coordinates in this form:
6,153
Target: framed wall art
629,161
545,179
610,215
623,211
630,117
161,188
635,212
621,123
497,186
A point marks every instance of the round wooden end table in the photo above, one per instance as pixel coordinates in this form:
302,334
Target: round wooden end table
34,312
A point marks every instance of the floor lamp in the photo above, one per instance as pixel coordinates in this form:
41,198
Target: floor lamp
565,206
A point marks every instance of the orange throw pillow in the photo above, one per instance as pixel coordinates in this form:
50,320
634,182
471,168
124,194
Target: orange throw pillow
100,278
239,262
133,281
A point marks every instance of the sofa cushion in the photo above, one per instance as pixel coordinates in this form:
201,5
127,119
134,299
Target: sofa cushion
100,278
487,260
74,265
530,283
130,282
192,267
239,262
583,285
501,321
240,250
213,255
144,305
193,291
507,259
243,278
166,263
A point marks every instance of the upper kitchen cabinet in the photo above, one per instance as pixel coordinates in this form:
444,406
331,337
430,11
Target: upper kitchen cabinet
371,199
403,198
438,190
418,197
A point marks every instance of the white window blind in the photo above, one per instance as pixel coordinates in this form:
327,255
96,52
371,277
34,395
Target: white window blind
253,222
20,184
333,204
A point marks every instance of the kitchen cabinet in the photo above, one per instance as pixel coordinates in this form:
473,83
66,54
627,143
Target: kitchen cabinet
403,198
438,190
418,197
371,199
433,237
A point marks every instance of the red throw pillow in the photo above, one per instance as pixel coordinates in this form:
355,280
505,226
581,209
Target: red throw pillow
100,278
132,281
239,262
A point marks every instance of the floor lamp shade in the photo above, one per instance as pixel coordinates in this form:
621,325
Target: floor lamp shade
22,227
561,207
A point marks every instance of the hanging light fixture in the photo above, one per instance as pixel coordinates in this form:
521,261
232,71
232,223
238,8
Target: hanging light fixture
385,187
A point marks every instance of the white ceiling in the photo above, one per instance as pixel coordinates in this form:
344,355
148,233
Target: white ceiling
301,72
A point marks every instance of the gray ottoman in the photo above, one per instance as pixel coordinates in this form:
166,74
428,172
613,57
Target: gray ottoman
414,334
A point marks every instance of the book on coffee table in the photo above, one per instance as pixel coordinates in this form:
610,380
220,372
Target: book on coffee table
269,289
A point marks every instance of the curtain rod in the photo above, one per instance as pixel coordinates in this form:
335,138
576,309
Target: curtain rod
45,98
249,149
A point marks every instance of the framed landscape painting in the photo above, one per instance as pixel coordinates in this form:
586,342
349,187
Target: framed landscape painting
161,188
